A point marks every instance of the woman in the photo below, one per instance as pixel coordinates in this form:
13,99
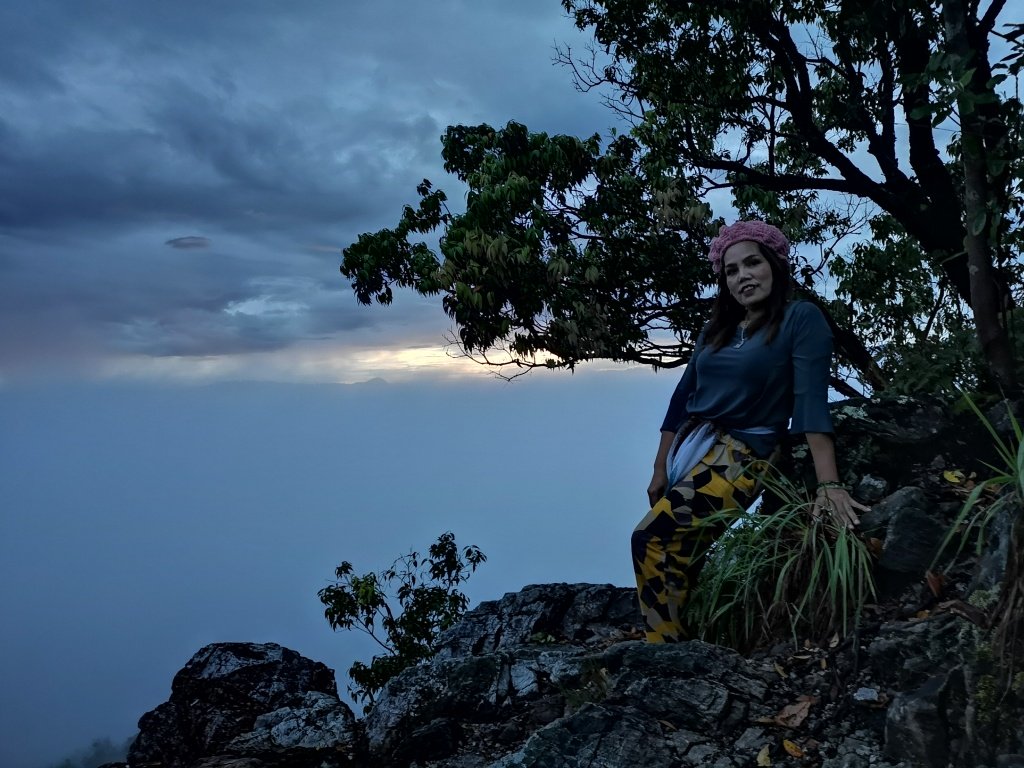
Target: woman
761,360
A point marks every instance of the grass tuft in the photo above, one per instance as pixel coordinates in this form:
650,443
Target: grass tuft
1004,490
786,572
1006,483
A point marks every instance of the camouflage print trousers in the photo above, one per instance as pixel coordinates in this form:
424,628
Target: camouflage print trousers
668,542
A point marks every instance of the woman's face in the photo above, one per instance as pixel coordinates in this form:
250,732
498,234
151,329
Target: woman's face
748,275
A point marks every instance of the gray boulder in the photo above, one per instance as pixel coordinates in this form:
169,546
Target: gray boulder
878,519
908,652
912,533
247,704
922,726
552,613
870,489
319,721
912,541
565,705
598,736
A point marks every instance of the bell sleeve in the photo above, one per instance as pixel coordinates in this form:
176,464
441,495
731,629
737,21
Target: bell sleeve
677,413
812,362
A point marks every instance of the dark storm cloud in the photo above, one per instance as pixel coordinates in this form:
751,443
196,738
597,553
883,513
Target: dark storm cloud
124,126
145,298
188,242
30,40
204,158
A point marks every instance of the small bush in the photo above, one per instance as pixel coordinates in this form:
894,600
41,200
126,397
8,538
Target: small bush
1004,490
786,571
404,608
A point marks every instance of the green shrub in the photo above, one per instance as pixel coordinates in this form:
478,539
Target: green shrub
404,608
1003,491
988,497
786,571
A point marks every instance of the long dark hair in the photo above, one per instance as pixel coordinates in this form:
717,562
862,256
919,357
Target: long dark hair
727,312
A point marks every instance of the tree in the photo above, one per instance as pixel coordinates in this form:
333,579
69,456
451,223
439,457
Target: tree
428,602
882,123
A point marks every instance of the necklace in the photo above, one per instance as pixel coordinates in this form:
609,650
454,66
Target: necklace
743,334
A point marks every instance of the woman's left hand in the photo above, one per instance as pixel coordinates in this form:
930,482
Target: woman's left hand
838,503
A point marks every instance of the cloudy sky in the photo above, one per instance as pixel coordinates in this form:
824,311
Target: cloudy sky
197,421
178,178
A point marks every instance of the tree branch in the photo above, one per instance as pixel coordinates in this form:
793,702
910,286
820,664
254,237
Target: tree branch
799,103
988,21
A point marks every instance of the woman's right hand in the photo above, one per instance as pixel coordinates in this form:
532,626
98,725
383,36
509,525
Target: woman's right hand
658,486
659,483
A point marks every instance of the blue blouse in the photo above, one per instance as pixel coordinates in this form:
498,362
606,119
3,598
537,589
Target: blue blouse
757,385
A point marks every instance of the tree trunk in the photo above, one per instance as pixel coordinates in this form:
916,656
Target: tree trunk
985,293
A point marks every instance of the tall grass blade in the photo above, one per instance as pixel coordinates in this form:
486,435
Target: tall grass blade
781,572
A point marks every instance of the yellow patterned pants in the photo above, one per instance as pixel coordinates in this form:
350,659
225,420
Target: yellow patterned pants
668,542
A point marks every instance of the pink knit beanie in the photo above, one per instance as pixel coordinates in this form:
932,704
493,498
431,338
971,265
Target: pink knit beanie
758,231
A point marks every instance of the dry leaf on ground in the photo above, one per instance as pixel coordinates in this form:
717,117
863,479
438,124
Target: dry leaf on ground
967,611
792,748
954,476
763,757
792,715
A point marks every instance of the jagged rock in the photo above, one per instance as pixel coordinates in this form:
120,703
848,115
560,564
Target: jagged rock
847,760
858,750
319,721
693,686
870,489
911,532
907,652
237,704
751,741
921,724
992,564
597,736
693,660
1003,415
470,688
911,542
550,677
888,436
575,613
878,519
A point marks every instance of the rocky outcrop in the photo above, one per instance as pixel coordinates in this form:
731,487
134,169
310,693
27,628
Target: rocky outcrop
545,613
556,676
517,694
243,704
